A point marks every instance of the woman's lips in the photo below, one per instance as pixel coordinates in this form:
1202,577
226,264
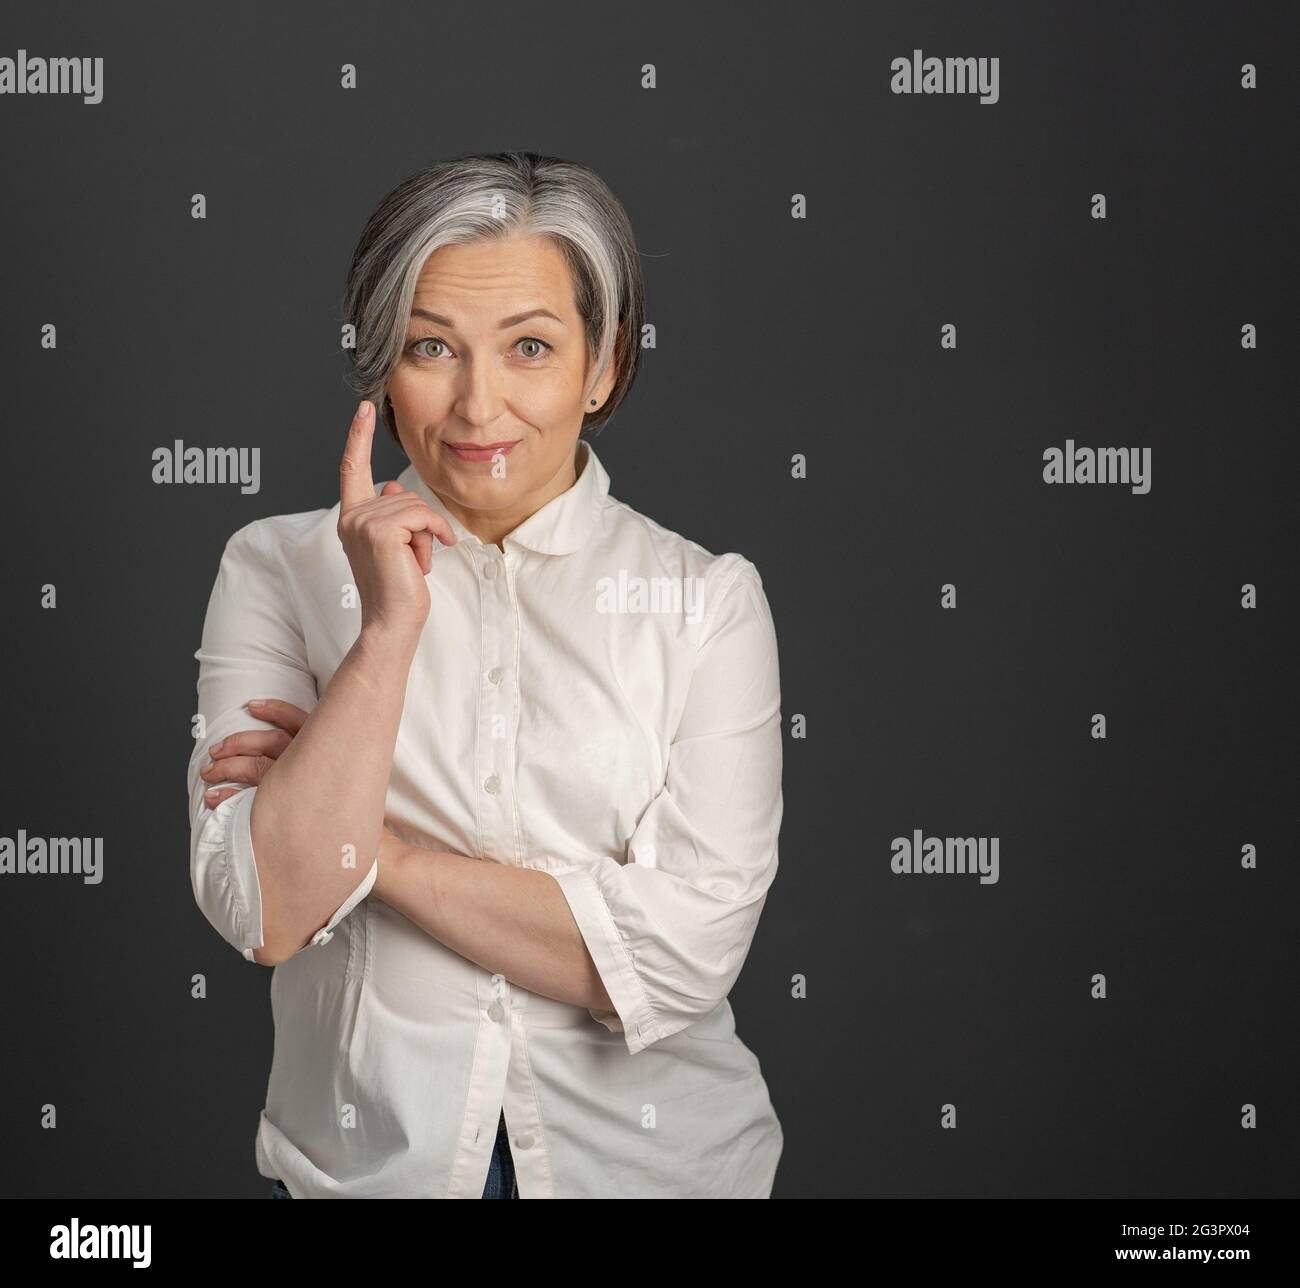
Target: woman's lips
479,452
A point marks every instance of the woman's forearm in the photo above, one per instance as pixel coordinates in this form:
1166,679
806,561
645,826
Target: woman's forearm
319,810
514,922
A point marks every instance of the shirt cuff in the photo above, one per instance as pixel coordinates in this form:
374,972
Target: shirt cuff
613,961
225,873
326,933
226,846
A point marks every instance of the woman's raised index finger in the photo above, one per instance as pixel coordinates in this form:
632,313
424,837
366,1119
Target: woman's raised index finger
356,483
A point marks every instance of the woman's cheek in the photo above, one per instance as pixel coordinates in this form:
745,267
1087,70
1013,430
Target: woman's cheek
554,394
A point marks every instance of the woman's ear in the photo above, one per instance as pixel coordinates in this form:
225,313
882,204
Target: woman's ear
607,382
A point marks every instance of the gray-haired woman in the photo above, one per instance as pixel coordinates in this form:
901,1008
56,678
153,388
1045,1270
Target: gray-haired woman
491,763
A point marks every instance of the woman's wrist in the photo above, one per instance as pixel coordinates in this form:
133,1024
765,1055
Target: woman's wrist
381,657
388,639
389,859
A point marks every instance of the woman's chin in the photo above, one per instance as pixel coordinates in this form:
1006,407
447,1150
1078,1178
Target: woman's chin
474,488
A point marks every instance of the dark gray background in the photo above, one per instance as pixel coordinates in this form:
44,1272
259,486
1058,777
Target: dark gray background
775,336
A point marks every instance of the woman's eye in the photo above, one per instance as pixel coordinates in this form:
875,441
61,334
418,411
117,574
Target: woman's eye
415,347
542,347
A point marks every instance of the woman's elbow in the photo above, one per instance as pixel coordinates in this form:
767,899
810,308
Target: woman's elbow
276,948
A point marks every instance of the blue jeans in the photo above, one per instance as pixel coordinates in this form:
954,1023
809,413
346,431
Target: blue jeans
500,1177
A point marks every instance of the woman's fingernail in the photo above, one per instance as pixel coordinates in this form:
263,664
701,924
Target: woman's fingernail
216,749
255,702
212,791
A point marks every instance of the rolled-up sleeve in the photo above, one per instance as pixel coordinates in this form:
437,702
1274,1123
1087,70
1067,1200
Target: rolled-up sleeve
252,648
669,927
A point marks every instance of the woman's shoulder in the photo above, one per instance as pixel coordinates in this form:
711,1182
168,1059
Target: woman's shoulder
277,539
285,532
643,546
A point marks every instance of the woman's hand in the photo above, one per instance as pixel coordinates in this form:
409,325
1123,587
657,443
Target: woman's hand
247,755
388,538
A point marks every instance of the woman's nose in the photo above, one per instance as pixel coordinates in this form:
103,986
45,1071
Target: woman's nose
479,394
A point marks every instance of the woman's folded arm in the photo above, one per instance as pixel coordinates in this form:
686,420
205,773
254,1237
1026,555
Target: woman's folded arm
276,866
652,943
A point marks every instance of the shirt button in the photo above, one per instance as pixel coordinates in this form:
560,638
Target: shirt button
495,674
490,569
492,784
524,1142
496,1012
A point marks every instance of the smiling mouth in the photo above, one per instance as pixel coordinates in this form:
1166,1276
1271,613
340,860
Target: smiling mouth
480,451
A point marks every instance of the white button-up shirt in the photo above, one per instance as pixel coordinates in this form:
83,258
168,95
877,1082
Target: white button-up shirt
601,701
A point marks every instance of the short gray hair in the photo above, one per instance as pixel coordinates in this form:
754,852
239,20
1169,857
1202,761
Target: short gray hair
490,196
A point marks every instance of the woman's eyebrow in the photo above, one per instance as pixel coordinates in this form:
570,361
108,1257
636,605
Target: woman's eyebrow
513,320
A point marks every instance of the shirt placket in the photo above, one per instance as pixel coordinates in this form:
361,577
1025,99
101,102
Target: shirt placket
494,823
494,787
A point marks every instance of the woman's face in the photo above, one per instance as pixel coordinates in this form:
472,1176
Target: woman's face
488,395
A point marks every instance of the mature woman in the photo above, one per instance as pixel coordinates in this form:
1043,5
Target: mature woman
490,763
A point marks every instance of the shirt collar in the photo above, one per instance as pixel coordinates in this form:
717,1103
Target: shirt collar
559,527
